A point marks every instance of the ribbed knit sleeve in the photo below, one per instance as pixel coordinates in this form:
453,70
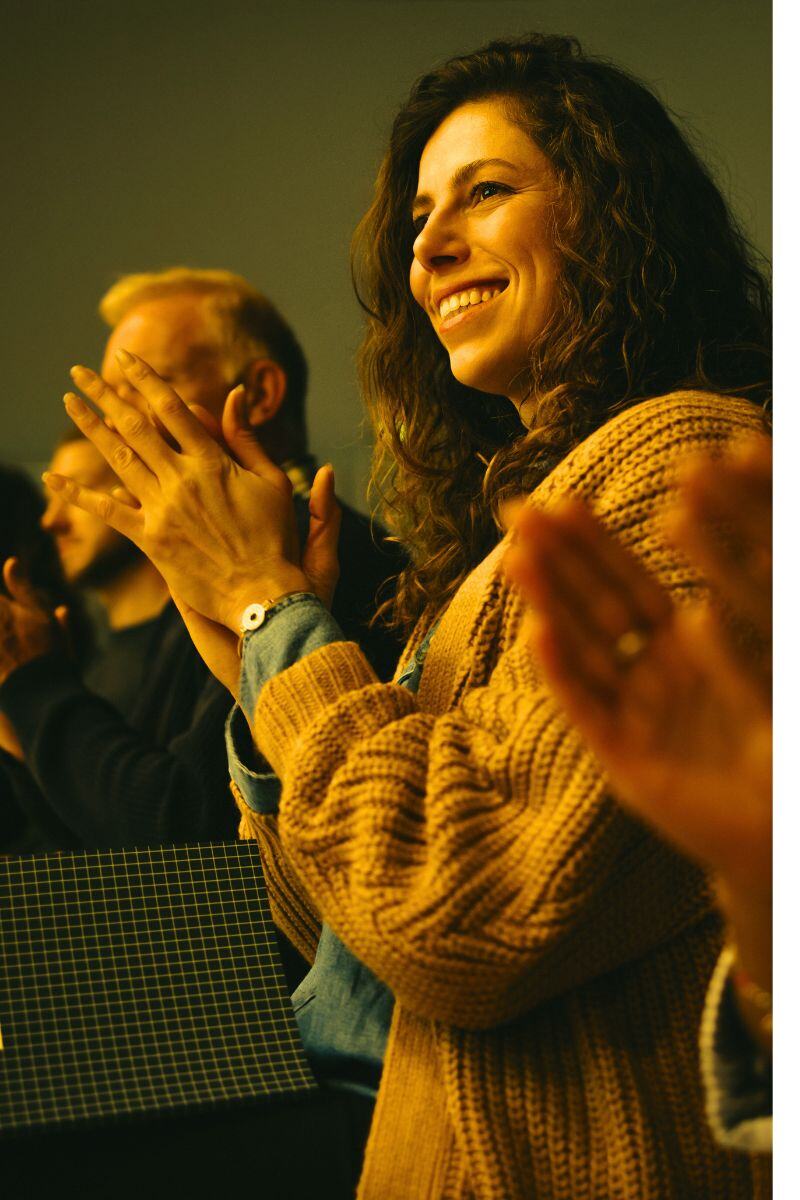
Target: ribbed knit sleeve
463,843
474,860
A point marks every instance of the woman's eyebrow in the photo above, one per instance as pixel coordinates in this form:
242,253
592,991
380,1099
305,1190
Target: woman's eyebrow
461,176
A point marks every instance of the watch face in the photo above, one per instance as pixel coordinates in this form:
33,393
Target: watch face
253,616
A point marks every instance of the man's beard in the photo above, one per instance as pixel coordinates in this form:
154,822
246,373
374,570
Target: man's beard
108,564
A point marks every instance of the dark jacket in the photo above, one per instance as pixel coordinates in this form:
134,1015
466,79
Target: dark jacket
158,773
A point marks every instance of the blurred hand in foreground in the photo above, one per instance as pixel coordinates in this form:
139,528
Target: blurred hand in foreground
676,713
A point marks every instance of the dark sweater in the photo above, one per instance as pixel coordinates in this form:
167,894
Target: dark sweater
153,775
158,773
27,823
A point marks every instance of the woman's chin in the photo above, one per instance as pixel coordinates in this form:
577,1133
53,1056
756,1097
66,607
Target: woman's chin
475,372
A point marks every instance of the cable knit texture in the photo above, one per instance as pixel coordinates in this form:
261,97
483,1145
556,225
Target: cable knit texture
549,957
292,910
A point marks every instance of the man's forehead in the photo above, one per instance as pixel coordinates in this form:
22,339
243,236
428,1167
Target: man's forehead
81,456
175,326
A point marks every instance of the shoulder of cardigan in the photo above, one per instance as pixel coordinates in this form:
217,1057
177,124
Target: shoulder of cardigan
591,463
584,471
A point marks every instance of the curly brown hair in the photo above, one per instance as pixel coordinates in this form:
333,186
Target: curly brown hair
659,290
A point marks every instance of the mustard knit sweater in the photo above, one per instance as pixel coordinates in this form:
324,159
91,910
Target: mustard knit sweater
549,957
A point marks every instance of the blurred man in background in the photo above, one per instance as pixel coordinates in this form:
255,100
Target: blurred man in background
131,750
26,824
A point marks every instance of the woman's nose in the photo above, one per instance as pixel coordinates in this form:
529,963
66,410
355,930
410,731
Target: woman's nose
440,242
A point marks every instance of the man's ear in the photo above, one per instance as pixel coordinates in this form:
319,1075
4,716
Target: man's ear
265,391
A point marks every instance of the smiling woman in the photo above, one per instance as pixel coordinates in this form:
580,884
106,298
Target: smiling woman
519,963
622,276
485,265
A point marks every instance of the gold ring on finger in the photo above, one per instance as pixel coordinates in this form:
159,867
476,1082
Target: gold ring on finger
630,645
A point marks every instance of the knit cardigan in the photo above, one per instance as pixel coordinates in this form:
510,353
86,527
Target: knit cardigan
549,957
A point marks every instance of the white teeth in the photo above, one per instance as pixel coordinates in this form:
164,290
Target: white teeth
459,300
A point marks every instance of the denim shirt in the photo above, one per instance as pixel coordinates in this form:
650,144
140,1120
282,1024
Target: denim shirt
342,1009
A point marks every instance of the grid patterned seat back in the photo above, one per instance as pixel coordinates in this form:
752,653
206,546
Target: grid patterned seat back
139,981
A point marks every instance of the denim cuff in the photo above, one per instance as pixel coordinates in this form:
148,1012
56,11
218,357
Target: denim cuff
292,628
737,1074
260,789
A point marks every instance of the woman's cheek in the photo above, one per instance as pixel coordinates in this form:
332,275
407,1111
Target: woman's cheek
418,283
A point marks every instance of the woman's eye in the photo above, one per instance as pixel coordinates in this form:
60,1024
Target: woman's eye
481,191
485,191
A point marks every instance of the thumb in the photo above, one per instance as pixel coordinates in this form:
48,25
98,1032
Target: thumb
241,438
124,496
61,614
320,558
210,423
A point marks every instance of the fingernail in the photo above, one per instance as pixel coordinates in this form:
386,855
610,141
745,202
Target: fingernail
125,358
79,372
52,481
72,403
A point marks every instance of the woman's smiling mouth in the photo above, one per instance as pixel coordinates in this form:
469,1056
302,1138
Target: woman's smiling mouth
453,308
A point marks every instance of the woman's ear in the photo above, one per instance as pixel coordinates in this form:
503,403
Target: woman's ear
265,390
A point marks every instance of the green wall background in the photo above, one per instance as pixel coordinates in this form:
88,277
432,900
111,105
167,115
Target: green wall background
246,135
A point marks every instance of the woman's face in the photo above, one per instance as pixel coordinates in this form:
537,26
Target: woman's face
485,269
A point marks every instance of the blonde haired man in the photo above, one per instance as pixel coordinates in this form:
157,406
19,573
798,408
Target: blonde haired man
204,332
155,769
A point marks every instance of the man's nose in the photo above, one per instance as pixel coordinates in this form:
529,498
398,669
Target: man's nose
55,514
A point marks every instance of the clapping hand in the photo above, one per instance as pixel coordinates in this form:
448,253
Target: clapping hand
218,522
680,723
675,709
27,629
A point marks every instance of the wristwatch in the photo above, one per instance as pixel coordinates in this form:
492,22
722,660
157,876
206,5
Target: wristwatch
254,616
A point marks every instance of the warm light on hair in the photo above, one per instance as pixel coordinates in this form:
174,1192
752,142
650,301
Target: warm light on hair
659,290
248,324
